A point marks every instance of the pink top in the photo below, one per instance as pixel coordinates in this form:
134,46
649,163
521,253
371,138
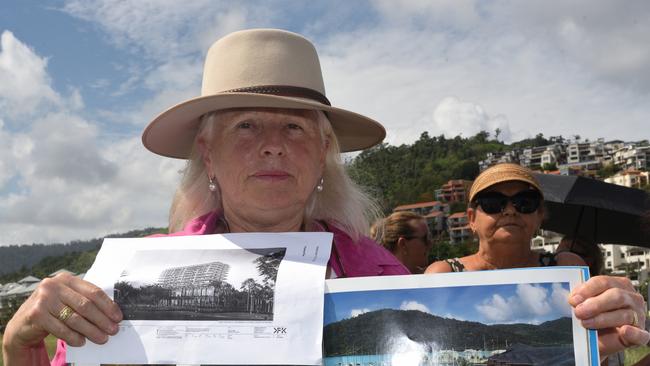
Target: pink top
348,259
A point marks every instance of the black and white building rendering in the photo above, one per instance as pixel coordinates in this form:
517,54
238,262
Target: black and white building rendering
202,288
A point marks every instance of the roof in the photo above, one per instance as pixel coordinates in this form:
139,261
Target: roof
417,205
22,289
28,279
7,287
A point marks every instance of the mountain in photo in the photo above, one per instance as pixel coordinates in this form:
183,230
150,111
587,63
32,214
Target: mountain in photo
379,332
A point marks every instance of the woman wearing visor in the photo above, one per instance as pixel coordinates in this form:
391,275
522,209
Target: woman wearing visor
505,210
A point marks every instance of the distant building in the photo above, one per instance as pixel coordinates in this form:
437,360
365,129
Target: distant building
626,260
194,276
436,222
454,191
424,208
585,168
13,295
493,158
535,157
631,156
622,260
458,228
630,178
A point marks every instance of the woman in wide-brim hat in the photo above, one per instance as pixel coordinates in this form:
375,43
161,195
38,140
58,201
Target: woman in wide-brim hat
506,208
263,146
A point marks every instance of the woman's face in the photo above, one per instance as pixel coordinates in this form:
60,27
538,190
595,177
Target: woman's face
509,226
267,161
417,247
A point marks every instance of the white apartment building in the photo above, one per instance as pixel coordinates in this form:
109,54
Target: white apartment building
622,260
535,157
626,260
493,158
632,157
630,178
579,152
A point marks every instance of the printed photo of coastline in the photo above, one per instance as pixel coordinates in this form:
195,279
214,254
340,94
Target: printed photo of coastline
524,323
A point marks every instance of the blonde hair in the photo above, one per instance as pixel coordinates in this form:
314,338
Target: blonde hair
388,230
341,202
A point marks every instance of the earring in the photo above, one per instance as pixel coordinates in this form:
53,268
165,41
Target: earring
212,186
319,187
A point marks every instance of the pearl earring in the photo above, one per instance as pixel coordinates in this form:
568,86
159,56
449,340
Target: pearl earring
319,187
212,186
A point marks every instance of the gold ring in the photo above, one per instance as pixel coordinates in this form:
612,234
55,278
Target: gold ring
635,319
67,312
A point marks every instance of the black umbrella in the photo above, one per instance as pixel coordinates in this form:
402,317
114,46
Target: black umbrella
595,211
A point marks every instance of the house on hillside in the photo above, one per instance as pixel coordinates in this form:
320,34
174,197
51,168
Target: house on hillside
458,228
436,221
454,190
630,178
424,208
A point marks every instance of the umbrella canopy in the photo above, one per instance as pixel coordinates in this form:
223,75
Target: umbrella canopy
594,210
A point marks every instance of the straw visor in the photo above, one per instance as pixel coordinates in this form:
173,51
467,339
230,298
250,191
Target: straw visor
266,68
503,173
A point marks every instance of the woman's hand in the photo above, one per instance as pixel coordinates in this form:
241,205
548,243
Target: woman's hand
94,316
613,307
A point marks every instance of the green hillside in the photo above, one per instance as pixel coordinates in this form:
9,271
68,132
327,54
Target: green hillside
39,260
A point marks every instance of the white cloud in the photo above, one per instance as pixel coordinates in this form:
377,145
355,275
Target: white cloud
497,309
534,299
414,305
25,86
531,304
62,179
455,117
560,299
166,29
356,312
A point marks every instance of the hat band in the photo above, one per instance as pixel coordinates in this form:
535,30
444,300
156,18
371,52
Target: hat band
284,91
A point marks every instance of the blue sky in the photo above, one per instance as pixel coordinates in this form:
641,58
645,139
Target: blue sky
494,304
79,80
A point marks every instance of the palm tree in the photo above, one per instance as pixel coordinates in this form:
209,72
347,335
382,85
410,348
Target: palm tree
250,286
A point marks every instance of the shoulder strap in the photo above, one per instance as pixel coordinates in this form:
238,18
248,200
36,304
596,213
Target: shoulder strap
455,264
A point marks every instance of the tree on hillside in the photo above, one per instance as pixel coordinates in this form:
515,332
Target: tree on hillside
411,173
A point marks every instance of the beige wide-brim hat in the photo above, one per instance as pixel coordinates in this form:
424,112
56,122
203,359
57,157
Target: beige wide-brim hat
500,173
267,68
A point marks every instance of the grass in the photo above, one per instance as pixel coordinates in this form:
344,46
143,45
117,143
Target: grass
634,355
50,345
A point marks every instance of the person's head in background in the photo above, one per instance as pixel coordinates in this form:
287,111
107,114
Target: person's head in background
588,251
406,235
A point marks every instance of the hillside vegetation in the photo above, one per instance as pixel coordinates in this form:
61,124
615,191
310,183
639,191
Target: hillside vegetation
39,260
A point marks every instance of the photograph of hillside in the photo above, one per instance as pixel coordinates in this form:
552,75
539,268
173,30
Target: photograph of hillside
440,326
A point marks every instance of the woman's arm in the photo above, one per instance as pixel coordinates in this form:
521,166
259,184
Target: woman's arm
16,355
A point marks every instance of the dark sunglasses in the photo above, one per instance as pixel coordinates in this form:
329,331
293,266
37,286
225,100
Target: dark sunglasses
524,202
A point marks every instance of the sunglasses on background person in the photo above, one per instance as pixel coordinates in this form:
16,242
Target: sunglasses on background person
525,202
